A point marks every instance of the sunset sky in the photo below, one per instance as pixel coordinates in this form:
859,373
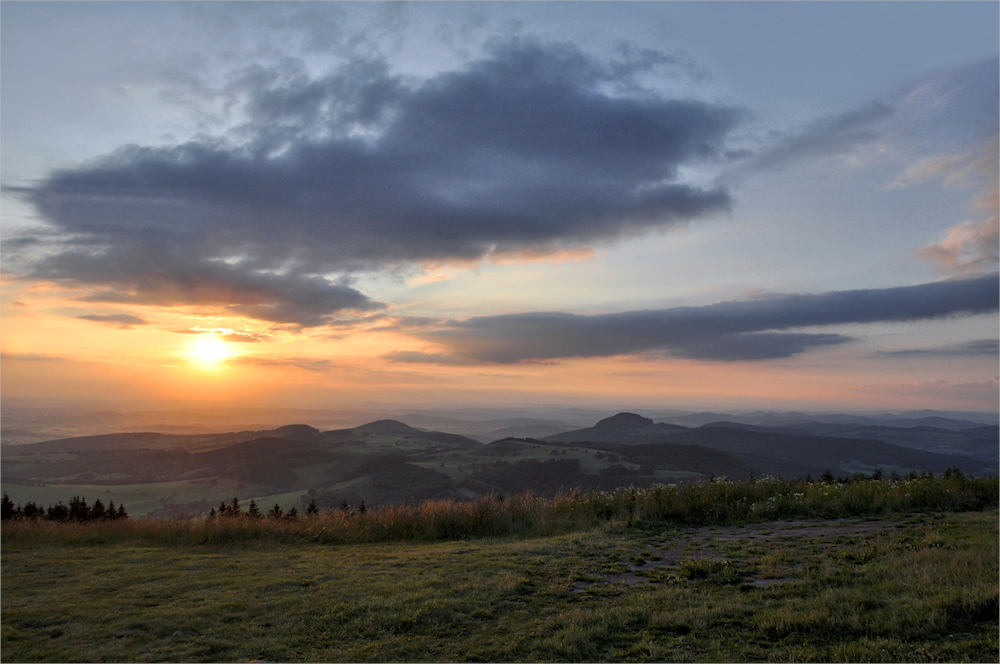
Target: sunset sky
677,205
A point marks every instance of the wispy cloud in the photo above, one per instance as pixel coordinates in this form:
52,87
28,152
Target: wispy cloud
225,334
974,348
36,357
726,331
122,321
304,363
417,357
971,246
826,137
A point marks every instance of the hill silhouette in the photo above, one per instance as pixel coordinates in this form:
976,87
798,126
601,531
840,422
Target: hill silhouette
385,426
620,428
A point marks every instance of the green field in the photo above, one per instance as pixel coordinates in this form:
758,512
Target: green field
897,587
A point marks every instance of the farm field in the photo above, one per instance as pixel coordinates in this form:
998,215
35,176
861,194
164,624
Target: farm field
903,587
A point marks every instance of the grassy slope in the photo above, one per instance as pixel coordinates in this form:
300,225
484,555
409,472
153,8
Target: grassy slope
924,589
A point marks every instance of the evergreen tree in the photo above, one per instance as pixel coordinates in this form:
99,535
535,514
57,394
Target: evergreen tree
97,511
57,512
223,509
313,508
275,512
344,507
7,510
253,511
211,515
361,508
234,508
292,514
122,514
78,510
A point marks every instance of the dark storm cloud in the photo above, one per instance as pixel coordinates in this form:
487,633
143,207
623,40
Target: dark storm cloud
726,331
123,321
827,136
973,348
533,147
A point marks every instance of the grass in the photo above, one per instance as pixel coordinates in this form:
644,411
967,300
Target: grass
717,502
655,575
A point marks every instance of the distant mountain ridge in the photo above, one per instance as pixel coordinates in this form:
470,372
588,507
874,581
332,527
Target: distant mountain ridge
386,460
796,449
775,419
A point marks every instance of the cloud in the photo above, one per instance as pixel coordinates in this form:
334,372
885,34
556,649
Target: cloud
225,334
827,136
416,357
123,321
956,106
725,331
304,363
755,346
35,357
948,107
131,274
977,347
406,323
534,148
971,246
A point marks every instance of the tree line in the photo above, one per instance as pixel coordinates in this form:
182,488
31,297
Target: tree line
234,509
77,510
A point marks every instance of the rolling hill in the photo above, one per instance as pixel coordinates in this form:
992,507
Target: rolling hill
387,461
794,450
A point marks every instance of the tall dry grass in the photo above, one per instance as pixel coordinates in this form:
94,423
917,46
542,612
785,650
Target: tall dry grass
716,502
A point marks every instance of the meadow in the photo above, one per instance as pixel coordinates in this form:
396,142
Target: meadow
768,570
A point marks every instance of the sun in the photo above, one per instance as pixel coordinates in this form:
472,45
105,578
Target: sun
209,351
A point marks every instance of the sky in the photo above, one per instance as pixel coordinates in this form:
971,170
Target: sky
695,205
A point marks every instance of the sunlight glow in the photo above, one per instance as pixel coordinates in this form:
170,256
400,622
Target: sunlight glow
209,350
